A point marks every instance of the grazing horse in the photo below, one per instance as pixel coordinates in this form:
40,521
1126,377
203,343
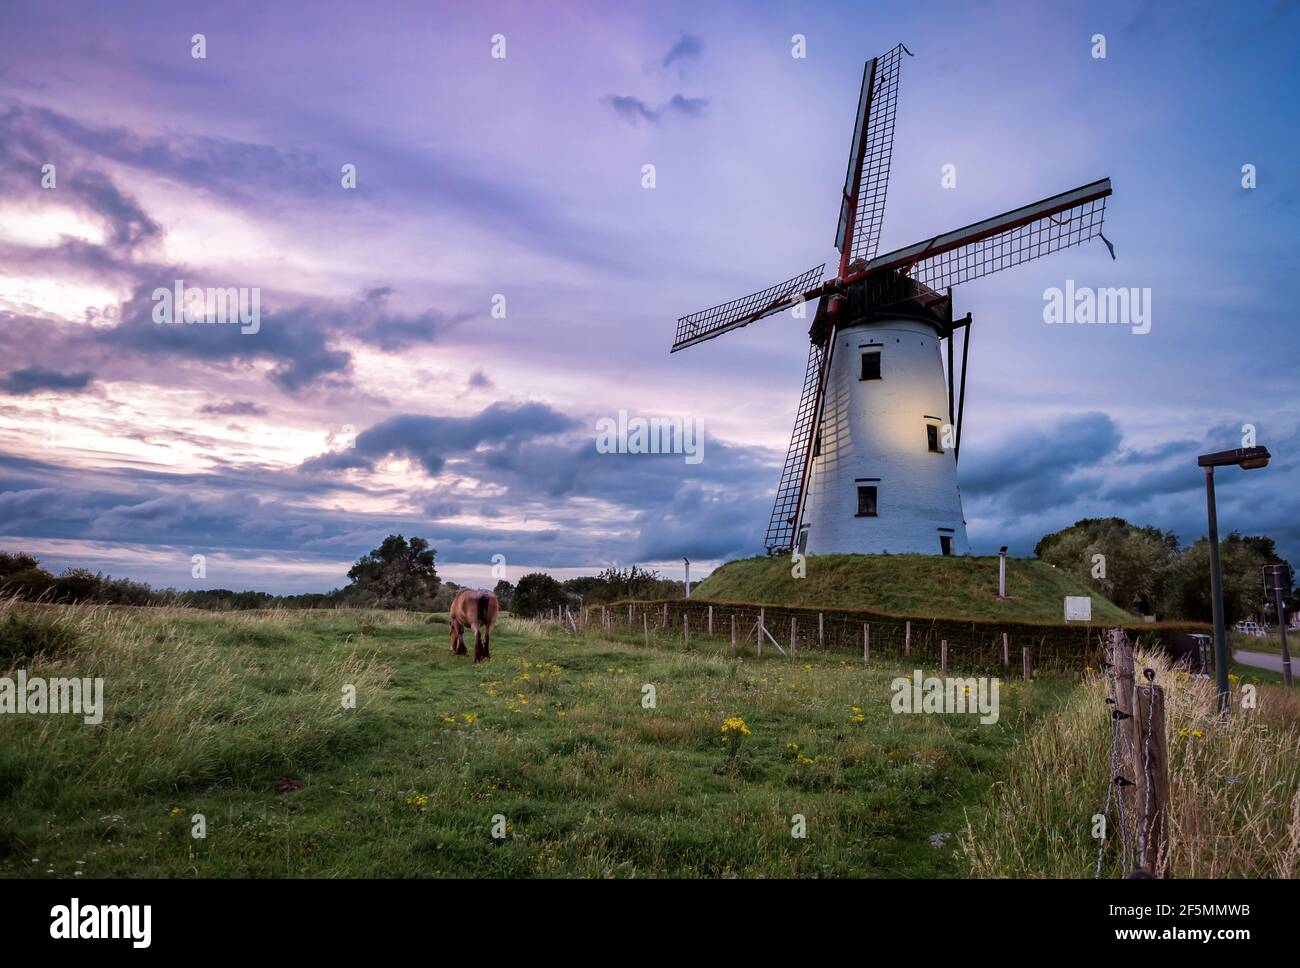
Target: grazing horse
476,610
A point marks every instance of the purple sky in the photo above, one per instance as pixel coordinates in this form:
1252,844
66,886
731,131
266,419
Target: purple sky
129,446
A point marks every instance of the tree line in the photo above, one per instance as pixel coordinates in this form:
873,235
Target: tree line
1146,570
399,574
1142,569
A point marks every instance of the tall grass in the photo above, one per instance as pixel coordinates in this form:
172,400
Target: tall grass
1234,788
183,707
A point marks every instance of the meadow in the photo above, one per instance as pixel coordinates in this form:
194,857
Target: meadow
238,717
1234,786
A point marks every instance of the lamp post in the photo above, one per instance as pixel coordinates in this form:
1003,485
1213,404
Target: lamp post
1246,458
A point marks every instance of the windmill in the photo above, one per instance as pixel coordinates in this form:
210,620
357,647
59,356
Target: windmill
872,462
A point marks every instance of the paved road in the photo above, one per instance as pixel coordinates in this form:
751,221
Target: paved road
1264,660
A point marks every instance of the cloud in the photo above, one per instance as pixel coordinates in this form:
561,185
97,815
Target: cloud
432,440
687,48
633,110
301,341
34,379
690,107
1043,467
234,408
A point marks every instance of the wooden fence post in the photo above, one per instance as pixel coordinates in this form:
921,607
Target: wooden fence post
1121,658
761,630
819,630
710,621
645,621
907,639
1006,650
686,629
733,633
1151,773
943,657
793,638
1025,656
866,642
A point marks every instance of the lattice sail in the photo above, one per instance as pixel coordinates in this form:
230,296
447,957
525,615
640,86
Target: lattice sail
708,323
780,529
872,182
1007,240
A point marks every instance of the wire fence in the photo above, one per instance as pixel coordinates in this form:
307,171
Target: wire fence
795,630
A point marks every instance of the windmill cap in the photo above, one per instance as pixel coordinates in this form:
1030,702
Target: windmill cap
888,295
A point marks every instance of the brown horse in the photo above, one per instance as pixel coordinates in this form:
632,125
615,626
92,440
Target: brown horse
476,610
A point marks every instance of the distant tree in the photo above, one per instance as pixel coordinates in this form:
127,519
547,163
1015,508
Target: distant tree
536,593
585,588
445,596
123,591
397,574
13,562
1136,562
1241,562
77,585
632,582
21,575
503,591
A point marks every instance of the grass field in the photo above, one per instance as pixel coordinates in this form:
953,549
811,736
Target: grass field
238,717
1234,787
913,585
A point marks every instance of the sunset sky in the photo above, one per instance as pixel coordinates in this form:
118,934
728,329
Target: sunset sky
381,395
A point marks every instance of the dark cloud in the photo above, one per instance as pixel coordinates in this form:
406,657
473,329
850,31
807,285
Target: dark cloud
300,341
686,48
1043,467
633,110
691,107
234,408
34,379
432,440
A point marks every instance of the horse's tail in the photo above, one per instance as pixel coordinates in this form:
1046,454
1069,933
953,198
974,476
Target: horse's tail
484,600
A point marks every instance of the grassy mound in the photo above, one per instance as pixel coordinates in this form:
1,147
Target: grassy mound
927,586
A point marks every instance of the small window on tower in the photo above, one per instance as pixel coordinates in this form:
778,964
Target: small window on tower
871,366
866,502
932,438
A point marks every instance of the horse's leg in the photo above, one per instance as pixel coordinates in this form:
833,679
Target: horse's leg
478,644
457,638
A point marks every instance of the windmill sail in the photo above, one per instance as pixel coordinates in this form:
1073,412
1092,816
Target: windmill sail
862,209
780,529
1003,241
708,323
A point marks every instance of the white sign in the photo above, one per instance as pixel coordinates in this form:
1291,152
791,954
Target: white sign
1078,608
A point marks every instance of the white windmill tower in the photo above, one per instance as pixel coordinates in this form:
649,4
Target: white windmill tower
872,463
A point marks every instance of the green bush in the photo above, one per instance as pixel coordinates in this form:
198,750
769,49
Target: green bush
25,634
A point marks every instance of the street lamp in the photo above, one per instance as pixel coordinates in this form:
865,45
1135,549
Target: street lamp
1246,458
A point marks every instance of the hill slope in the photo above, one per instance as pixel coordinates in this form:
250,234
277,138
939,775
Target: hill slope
920,585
